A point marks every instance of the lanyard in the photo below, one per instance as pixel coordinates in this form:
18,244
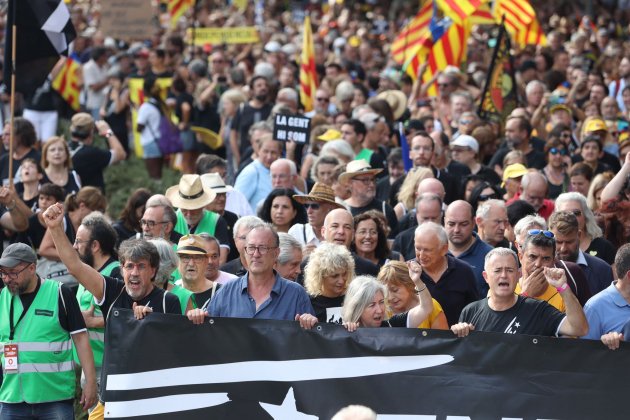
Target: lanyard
11,325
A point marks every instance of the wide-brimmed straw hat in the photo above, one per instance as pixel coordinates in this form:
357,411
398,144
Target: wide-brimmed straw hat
320,193
356,168
396,100
215,183
190,193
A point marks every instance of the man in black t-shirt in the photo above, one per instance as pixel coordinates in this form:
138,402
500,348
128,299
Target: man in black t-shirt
139,260
90,161
506,312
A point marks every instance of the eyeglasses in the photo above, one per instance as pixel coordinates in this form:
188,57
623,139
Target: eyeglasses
577,212
12,274
314,206
262,249
465,121
546,233
150,223
130,266
323,99
78,241
555,151
460,149
565,135
185,258
365,181
370,232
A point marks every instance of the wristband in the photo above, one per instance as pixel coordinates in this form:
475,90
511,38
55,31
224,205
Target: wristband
109,133
562,288
12,205
421,290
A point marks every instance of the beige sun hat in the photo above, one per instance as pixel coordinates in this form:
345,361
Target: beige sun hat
190,193
320,193
396,100
356,168
215,183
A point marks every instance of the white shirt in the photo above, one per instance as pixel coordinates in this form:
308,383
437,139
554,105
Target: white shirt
300,231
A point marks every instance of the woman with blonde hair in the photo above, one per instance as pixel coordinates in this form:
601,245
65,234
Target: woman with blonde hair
594,196
401,294
329,270
407,193
57,165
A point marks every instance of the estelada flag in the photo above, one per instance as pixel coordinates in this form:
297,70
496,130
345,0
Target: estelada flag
499,96
68,82
308,73
412,36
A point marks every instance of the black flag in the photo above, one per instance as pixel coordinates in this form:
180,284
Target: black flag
499,94
44,31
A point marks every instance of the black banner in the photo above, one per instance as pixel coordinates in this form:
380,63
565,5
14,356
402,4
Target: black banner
164,367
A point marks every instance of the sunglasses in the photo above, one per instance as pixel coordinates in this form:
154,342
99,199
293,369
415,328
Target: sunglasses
555,151
486,197
314,206
535,232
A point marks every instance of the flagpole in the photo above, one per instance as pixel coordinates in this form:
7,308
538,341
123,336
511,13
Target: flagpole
12,106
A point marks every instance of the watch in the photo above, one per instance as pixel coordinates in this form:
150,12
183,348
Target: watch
109,133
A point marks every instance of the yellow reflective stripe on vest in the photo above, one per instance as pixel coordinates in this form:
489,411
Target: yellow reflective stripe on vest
95,335
42,368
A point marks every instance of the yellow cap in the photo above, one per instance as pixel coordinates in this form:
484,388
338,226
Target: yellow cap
596,124
514,170
330,134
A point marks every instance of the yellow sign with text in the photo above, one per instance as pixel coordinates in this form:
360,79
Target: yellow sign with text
217,36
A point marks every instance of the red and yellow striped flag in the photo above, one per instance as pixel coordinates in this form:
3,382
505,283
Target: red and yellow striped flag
459,10
176,8
518,14
68,82
408,43
308,73
482,16
532,35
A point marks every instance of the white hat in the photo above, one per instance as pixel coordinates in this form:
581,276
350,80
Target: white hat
272,47
190,193
214,182
466,141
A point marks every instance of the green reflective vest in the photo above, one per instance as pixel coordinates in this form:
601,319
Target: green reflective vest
96,335
208,223
184,295
46,369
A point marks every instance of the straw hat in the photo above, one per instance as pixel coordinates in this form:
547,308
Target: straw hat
397,101
191,244
190,193
215,183
356,168
320,193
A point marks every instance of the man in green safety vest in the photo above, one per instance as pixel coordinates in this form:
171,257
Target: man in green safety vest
39,321
95,243
191,197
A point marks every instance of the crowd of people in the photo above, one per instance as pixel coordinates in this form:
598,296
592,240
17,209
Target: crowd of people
518,226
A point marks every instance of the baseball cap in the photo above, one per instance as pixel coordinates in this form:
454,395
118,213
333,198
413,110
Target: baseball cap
466,141
515,170
82,122
596,124
17,253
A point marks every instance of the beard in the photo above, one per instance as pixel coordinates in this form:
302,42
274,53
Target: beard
88,257
261,97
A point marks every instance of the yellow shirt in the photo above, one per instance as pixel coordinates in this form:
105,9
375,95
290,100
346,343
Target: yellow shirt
551,296
437,308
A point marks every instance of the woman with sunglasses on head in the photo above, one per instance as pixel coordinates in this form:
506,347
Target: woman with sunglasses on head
281,210
556,169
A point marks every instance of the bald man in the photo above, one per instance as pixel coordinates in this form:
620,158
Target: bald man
428,209
534,189
339,229
426,186
463,242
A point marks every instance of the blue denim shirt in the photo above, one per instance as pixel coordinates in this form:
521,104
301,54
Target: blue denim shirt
286,299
